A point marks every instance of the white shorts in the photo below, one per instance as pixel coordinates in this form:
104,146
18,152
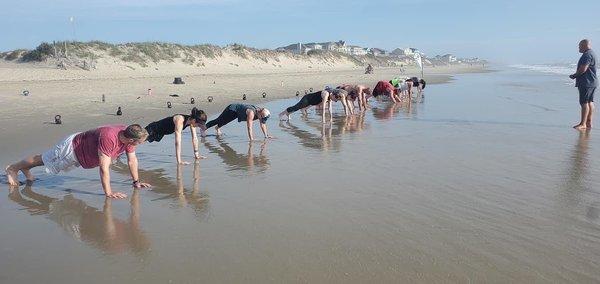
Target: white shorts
61,157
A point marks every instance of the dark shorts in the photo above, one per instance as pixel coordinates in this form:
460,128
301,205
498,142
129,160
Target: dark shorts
586,95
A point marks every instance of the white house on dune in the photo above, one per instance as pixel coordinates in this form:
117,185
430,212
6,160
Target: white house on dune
357,50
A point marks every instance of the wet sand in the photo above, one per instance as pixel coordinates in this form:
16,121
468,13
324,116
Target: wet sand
483,181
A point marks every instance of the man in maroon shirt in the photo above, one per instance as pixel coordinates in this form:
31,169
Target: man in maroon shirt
90,149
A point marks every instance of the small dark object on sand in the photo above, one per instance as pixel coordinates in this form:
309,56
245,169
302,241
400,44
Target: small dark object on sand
169,105
192,101
26,93
119,112
174,95
103,98
297,93
244,97
264,95
57,119
210,99
178,81
310,90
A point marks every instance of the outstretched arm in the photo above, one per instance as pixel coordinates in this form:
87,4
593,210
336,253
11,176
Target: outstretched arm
365,99
250,115
361,98
194,133
324,99
263,127
105,177
330,107
132,162
346,103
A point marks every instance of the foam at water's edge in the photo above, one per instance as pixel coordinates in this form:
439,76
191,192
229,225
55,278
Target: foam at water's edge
563,69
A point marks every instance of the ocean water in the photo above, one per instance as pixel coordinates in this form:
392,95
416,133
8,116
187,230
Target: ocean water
482,181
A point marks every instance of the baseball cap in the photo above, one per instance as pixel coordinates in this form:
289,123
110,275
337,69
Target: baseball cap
266,116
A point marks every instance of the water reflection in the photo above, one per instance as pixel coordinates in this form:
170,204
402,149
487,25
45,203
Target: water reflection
97,228
575,185
351,124
386,113
248,162
329,134
579,161
162,184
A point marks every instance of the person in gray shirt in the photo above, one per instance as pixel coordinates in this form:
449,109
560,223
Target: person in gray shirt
586,82
242,112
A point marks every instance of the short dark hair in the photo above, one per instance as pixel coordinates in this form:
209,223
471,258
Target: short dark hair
423,83
135,131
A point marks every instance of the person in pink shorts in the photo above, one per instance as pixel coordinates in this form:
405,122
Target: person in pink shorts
90,149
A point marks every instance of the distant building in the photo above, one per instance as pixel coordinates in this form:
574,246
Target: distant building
339,46
377,51
449,58
295,48
446,58
404,52
335,46
357,50
313,46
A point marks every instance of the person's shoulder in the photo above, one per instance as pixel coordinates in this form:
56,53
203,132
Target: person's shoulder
588,53
111,128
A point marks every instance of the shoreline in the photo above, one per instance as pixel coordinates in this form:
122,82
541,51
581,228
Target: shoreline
28,126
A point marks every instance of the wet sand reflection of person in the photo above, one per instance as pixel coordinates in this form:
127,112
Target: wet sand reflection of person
330,133
163,185
575,185
352,124
579,160
306,138
98,229
387,113
196,198
236,161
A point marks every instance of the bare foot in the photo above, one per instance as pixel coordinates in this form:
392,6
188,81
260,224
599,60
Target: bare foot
579,126
11,176
589,124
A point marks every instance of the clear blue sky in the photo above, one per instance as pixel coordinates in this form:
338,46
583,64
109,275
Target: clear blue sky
504,31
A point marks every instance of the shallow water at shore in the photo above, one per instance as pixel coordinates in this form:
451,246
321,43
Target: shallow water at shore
484,181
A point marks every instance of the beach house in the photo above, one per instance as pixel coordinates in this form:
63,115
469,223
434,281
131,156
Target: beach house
377,51
356,50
